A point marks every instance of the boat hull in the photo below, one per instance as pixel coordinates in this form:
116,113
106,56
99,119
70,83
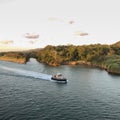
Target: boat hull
59,80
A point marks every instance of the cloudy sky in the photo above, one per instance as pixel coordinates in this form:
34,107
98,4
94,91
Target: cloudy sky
58,22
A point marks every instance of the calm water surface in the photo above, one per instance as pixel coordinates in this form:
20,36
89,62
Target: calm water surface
27,93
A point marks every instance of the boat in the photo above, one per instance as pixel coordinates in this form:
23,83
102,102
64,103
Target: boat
59,78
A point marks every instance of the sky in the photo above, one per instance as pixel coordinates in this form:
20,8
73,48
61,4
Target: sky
58,22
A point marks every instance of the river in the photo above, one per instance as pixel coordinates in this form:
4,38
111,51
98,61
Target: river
27,93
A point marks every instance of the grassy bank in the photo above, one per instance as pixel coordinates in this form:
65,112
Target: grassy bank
17,57
16,60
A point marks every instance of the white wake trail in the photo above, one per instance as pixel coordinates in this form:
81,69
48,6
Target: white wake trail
28,73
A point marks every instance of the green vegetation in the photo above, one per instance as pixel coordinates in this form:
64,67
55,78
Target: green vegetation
66,54
97,55
112,64
18,57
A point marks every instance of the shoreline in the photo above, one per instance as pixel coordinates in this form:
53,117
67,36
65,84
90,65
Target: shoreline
15,60
73,63
89,64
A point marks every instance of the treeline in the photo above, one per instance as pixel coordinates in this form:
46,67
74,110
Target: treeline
87,53
103,56
19,57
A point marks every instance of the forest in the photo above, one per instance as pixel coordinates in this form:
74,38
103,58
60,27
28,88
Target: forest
96,55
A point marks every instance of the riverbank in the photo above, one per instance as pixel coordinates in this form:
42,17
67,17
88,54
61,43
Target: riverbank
95,65
105,57
16,60
112,68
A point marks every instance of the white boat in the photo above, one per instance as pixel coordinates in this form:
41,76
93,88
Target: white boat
59,78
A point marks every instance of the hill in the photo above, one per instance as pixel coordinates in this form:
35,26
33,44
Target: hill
96,55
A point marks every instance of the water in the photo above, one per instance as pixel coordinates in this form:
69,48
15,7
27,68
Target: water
27,93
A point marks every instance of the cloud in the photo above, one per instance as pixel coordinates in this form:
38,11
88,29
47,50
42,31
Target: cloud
6,42
71,22
80,33
31,36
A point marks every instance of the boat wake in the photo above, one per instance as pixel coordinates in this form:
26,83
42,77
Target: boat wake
28,73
